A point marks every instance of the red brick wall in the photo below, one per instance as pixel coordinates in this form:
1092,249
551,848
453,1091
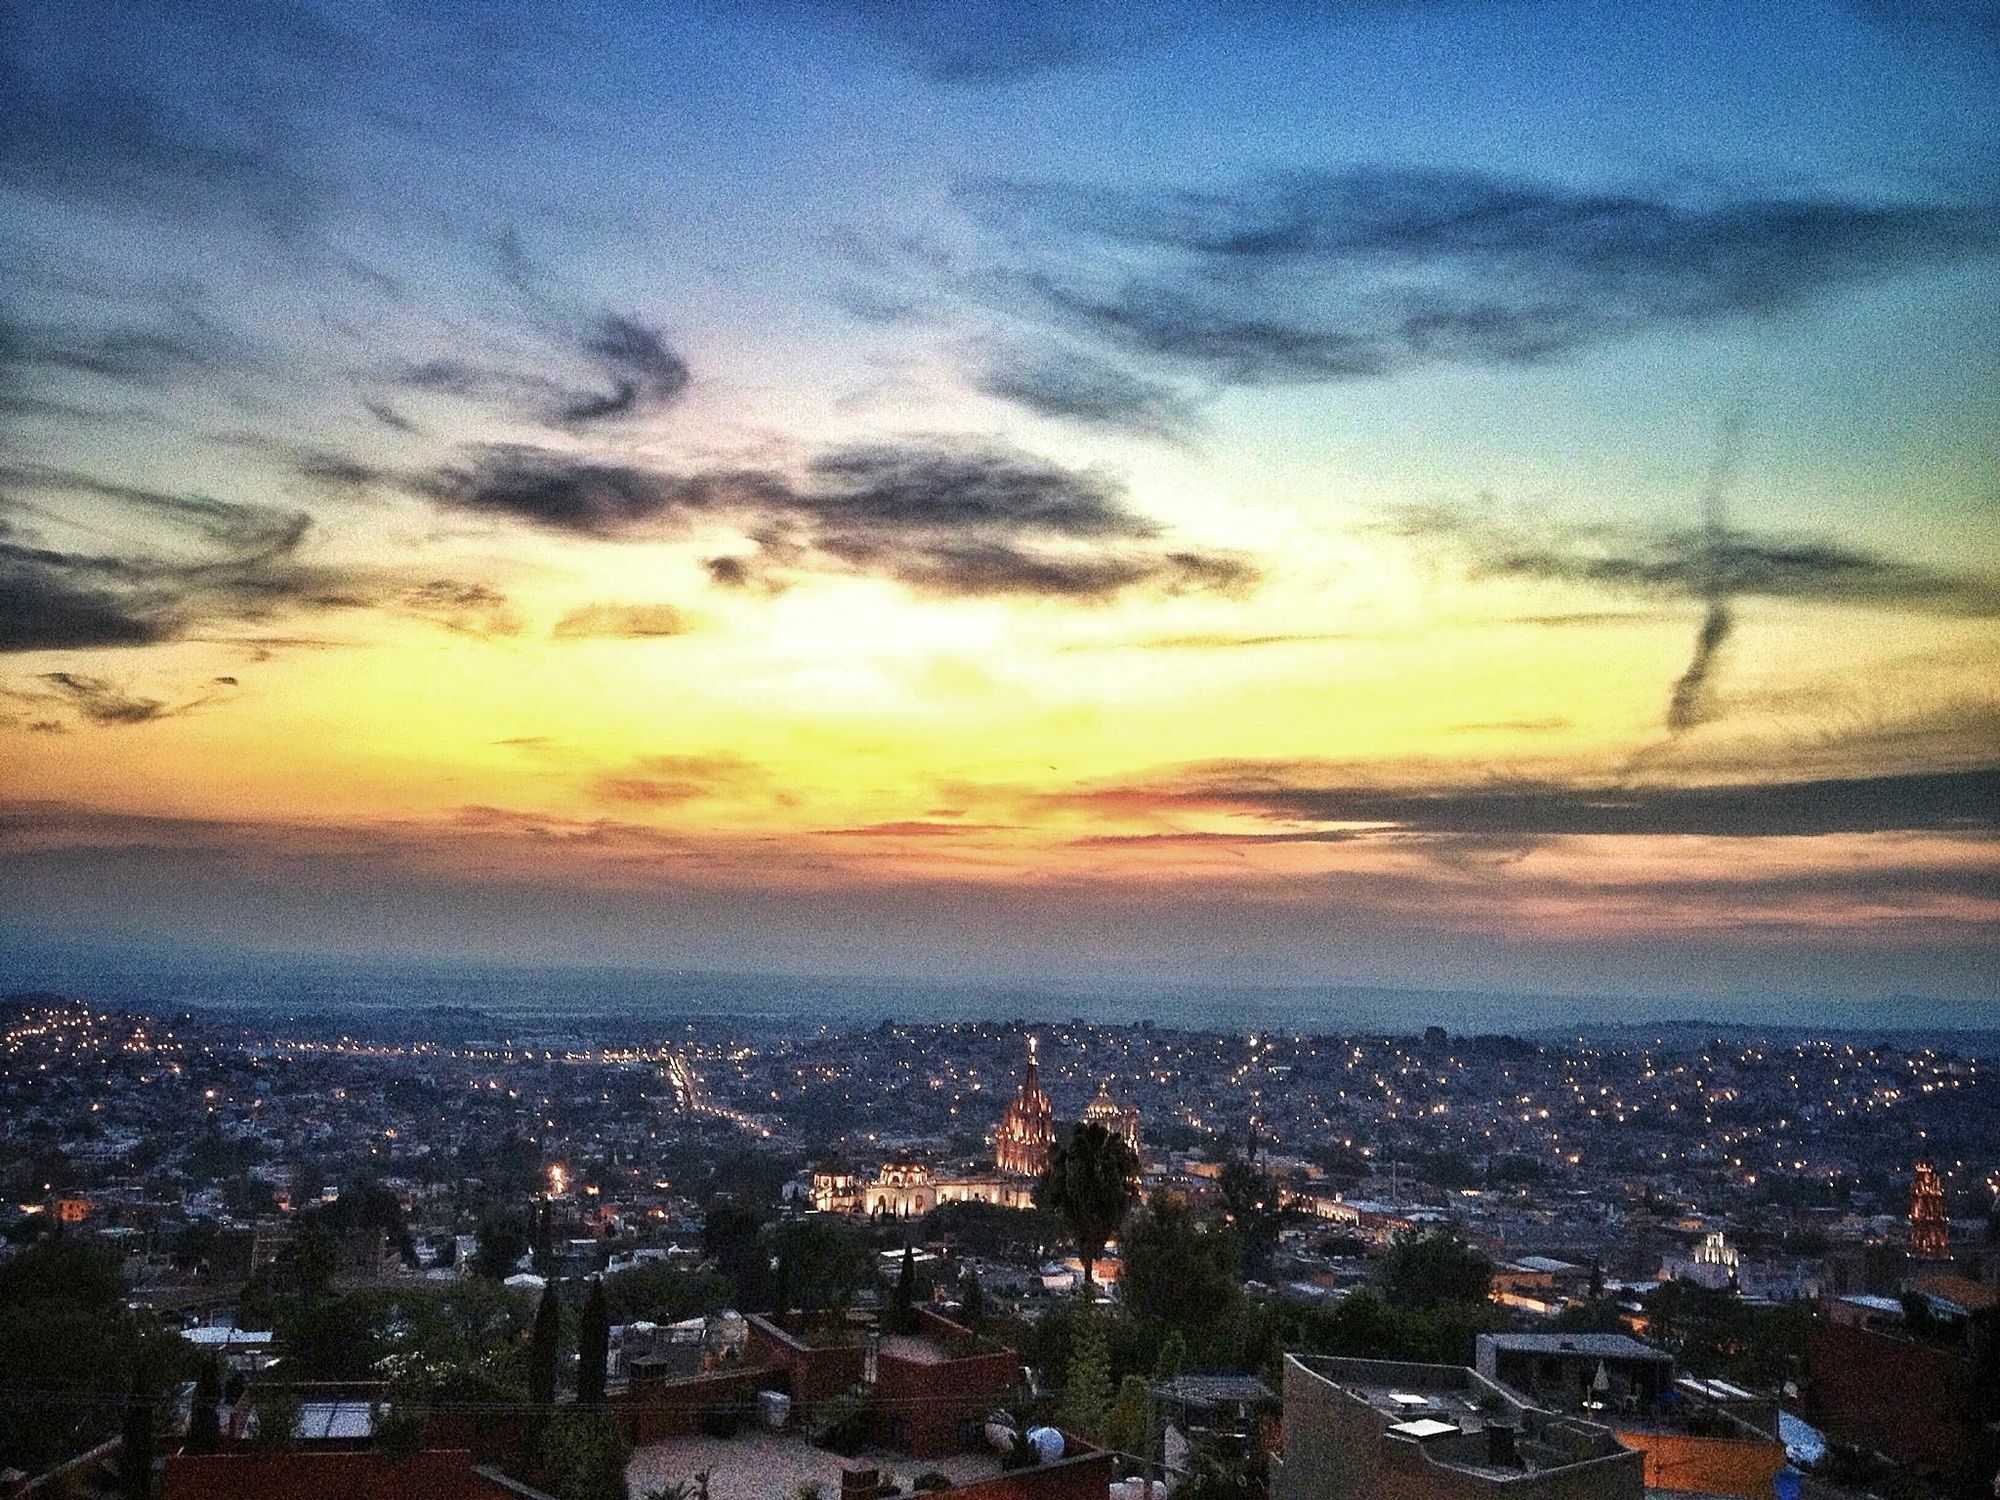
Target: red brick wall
1086,1477
494,1437
435,1474
1911,1402
655,1411
816,1374
931,1400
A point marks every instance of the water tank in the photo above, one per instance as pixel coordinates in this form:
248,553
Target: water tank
1047,1442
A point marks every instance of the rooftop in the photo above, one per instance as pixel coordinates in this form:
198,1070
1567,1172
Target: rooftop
1596,1345
757,1464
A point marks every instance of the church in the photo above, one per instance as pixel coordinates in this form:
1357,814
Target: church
904,1188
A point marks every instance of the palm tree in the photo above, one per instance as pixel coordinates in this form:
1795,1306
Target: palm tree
1092,1181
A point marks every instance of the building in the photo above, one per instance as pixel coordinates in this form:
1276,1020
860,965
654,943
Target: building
1930,1229
834,1189
1702,1435
1027,1131
1365,1429
905,1409
1119,1119
902,1189
1713,1263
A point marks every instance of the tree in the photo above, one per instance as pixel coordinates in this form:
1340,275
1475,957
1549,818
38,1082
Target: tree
1128,1427
135,1449
1427,1269
1596,1279
903,1300
593,1346
277,1426
310,1261
544,1349
733,1237
204,1430
1179,1273
1090,1181
827,1262
501,1238
1086,1396
584,1454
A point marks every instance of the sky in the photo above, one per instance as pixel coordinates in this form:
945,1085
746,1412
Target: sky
1446,493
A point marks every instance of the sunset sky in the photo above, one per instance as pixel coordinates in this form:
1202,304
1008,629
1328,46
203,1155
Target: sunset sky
1468,493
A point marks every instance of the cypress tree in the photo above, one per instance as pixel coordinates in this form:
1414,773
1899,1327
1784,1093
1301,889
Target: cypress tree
135,1450
204,1432
593,1346
544,1349
1086,1396
903,1305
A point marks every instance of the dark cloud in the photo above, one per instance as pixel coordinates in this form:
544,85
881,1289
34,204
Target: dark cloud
730,572
948,521
1696,563
208,564
640,373
645,374
45,607
388,416
1366,272
632,622
672,780
100,701
468,608
974,45
566,492
182,344
1947,802
1973,23
234,560
1078,387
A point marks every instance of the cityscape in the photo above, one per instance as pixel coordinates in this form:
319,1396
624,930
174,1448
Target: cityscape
1724,1256
999,750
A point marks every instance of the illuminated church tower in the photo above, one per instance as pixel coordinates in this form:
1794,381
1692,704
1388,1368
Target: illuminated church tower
1930,1230
1027,1130
1119,1119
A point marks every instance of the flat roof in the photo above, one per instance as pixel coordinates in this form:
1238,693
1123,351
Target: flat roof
1424,1427
1596,1345
757,1464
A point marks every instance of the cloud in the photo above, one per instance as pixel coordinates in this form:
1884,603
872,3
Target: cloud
468,608
673,780
1974,23
1066,383
631,622
1366,272
640,374
1697,563
645,374
954,44
228,560
208,564
98,700
941,520
1966,801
